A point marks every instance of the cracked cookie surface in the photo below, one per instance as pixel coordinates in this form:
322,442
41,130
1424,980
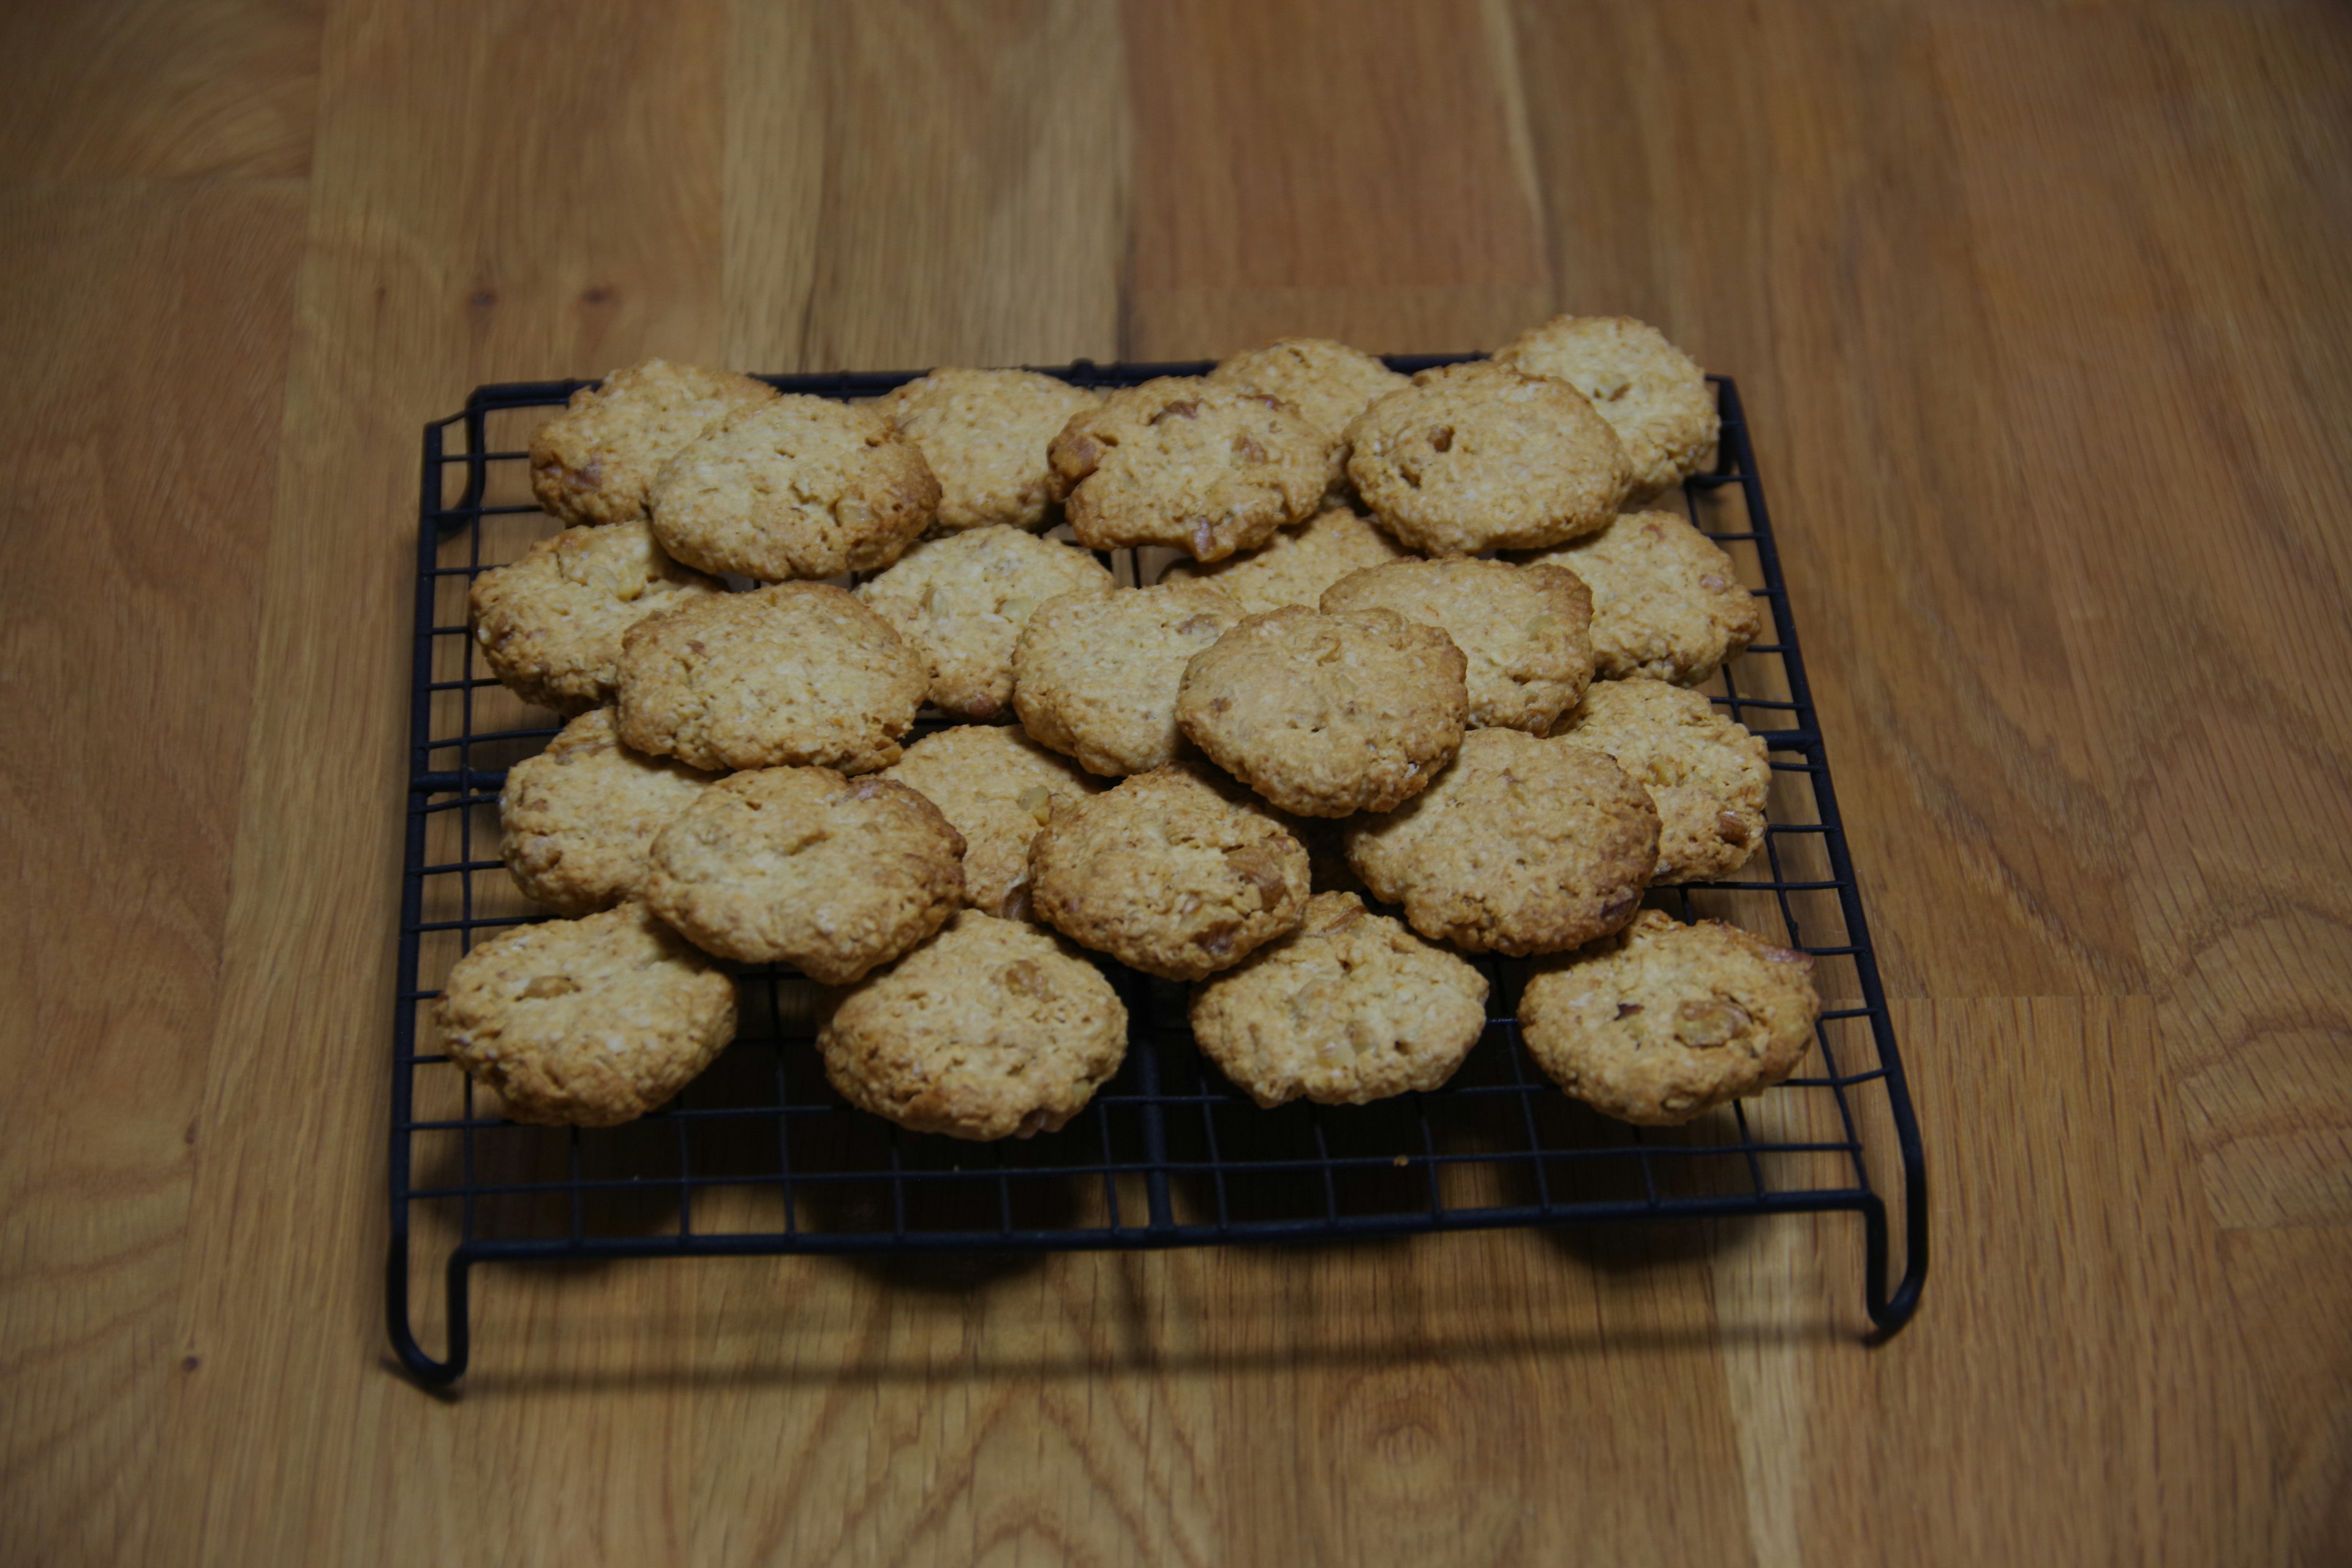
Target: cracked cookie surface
1667,602
596,462
577,820
550,624
961,602
1652,394
1707,773
996,787
1523,630
985,433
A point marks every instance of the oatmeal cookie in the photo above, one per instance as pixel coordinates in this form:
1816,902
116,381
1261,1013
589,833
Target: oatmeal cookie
997,787
596,462
799,487
1652,393
984,434
1667,600
1327,715
1706,773
590,1022
961,602
1476,457
549,624
577,819
1350,1008
1298,564
1522,846
1095,676
991,1029
1523,629
1190,463
1666,1021
804,866
799,673
1173,872
1326,382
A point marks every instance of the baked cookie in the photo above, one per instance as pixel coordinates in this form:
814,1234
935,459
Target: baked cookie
795,486
1190,463
1476,457
984,434
577,819
1665,1020
996,787
1522,846
1172,872
1327,715
596,461
991,1029
590,1022
1328,382
961,602
804,866
1298,563
1350,1008
549,624
1666,601
798,673
1094,675
1652,393
1522,630
1707,773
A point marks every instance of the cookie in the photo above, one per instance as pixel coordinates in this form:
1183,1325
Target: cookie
1666,601
1522,846
596,462
549,624
1190,463
796,674
1522,630
577,819
590,1022
1706,773
1298,563
1652,394
1094,675
989,1030
1476,457
984,434
804,866
1350,1008
1329,383
797,487
961,602
996,787
1327,715
1667,1021
1173,872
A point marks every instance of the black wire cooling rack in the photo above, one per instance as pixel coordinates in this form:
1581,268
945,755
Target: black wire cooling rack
760,1156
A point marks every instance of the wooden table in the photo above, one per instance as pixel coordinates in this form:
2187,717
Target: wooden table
2041,314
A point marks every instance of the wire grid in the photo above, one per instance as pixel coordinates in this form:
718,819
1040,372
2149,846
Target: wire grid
760,1156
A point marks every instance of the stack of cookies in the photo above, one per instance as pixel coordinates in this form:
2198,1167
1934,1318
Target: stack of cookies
1421,649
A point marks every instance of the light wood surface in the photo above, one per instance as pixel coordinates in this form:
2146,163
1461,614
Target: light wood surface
2041,314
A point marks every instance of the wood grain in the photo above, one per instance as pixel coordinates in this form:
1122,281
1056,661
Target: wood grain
2041,318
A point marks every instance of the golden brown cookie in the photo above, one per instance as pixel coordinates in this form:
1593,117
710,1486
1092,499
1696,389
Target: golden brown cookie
1095,676
1350,1008
1476,457
577,820
549,624
996,787
1190,463
1173,872
798,674
984,434
991,1029
961,602
590,1022
1707,773
1327,715
797,487
1652,394
1665,1020
596,462
1523,629
1298,564
804,866
1666,601
1522,846
1326,382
